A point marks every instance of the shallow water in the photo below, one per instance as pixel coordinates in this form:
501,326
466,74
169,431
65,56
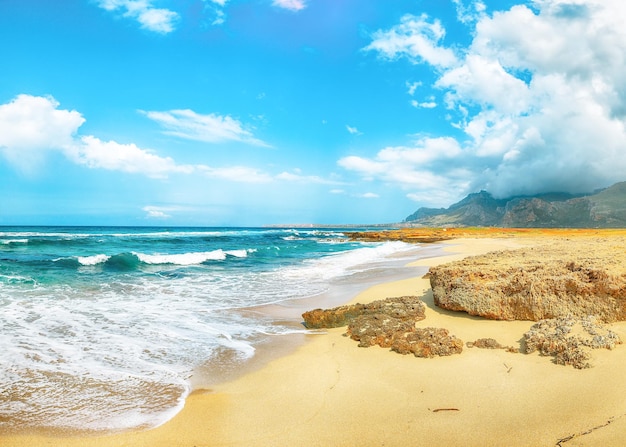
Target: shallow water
103,328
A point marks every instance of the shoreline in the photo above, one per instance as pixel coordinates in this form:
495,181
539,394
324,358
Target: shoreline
329,392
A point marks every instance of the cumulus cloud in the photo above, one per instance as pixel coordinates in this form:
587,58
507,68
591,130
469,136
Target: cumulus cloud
211,128
416,38
430,165
540,95
95,153
469,11
32,126
156,212
150,18
292,5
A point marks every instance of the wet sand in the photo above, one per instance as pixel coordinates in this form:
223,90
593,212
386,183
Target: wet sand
329,392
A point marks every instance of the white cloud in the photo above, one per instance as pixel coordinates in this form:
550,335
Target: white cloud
423,105
369,195
298,177
429,165
353,130
469,13
241,174
292,5
156,212
539,93
95,153
415,38
412,86
153,19
32,125
209,128
483,81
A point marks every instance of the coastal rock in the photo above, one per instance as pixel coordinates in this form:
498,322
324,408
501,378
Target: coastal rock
427,342
490,343
404,235
577,277
378,329
388,323
485,343
402,308
569,340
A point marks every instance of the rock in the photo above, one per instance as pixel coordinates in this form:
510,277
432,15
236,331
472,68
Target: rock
427,342
490,343
569,340
378,329
577,277
388,323
485,343
403,308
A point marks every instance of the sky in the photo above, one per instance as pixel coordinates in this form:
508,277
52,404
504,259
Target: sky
256,112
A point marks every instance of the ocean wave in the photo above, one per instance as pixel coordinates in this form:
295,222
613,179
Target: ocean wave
182,258
16,279
292,238
132,260
14,241
193,258
93,260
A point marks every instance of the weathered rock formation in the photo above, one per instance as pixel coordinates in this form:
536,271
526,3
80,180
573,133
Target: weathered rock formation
388,323
378,329
490,343
401,308
577,277
427,342
569,340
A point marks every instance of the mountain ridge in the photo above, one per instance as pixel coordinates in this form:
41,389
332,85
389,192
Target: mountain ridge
605,208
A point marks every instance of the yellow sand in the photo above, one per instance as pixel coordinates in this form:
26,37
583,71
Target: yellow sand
332,393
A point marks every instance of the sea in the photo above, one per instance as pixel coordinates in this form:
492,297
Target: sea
105,329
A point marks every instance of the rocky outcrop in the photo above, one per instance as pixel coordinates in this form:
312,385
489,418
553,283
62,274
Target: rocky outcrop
427,342
569,277
378,329
569,340
388,323
408,308
489,343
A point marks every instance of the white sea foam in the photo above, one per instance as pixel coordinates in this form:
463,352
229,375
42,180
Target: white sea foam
182,258
14,241
239,253
93,260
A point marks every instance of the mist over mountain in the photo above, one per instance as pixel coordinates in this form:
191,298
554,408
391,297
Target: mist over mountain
603,209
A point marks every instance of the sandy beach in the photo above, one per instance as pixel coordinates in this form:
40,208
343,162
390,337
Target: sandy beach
329,392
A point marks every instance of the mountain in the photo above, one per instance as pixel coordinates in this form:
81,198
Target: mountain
606,208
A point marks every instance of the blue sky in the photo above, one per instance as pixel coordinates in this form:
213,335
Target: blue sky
252,112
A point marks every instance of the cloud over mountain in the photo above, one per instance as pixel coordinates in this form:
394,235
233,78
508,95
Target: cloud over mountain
538,93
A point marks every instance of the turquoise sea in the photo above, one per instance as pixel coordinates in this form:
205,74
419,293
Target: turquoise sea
104,328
